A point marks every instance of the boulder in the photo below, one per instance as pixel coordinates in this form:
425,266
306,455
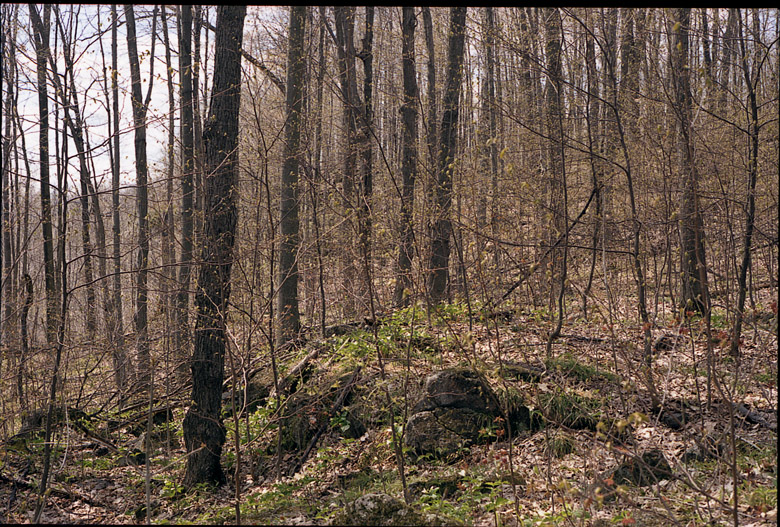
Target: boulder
455,411
650,468
383,509
309,409
458,388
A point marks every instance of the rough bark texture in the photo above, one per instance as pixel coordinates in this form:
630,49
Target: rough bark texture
41,33
408,159
344,37
691,229
438,264
204,433
181,340
142,204
287,278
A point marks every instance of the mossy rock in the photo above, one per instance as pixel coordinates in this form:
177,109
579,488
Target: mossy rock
521,371
648,469
425,434
446,486
458,388
385,510
309,408
256,394
458,409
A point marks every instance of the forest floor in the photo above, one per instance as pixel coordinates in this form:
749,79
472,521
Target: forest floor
554,474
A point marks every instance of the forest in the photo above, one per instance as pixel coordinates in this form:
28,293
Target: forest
389,265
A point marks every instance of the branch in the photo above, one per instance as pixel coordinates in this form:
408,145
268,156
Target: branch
257,63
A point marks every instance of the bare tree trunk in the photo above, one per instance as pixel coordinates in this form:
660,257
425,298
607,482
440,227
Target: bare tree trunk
204,433
751,81
287,311
124,370
592,109
41,34
431,123
408,160
556,164
6,251
145,372
187,137
691,229
168,229
344,38
366,157
438,265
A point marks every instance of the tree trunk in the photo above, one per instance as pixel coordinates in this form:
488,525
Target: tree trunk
287,312
117,331
204,433
556,164
345,28
41,34
145,373
438,265
181,340
691,230
753,132
168,277
408,160
366,158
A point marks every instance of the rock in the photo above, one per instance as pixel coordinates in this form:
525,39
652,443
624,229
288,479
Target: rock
257,391
706,448
425,434
521,371
446,487
673,419
383,509
458,407
458,388
649,469
309,409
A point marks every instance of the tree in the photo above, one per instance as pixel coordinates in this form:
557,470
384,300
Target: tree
140,107
117,328
287,278
187,136
408,159
344,38
556,164
204,433
441,229
41,35
693,268
752,77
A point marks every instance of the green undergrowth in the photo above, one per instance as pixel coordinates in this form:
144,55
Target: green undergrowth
569,366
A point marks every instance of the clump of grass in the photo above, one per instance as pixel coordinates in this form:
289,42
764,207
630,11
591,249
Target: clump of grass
570,409
571,367
561,445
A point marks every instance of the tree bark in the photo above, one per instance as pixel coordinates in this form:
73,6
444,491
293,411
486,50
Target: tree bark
181,340
145,373
204,433
751,81
41,36
691,229
438,280
117,331
408,160
287,312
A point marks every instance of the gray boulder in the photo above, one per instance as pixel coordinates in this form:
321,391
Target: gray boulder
383,509
454,413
